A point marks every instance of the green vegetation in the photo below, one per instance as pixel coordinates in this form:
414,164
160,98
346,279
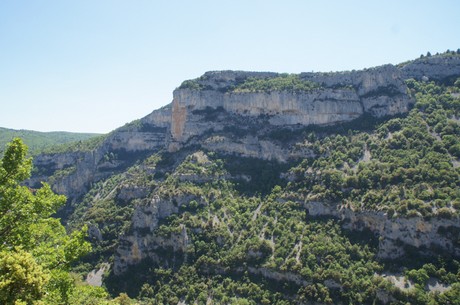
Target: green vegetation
41,141
104,208
405,166
83,145
230,234
256,176
283,82
224,229
194,84
35,250
233,239
408,166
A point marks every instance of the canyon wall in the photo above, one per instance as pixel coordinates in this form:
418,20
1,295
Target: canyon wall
216,117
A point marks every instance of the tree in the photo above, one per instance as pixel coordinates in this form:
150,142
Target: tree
35,249
20,276
457,82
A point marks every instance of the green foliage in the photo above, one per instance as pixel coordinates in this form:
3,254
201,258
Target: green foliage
406,167
284,82
418,276
257,176
84,294
59,174
108,212
40,141
81,145
229,235
192,85
457,83
403,166
451,296
35,250
21,277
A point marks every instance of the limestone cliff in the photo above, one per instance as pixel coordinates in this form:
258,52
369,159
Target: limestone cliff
440,68
340,97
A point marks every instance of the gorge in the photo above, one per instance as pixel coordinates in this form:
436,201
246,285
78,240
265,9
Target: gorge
239,174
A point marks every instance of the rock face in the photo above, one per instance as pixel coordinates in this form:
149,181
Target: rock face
119,150
283,108
141,244
396,235
341,97
439,68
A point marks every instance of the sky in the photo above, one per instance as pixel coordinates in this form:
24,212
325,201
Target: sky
94,65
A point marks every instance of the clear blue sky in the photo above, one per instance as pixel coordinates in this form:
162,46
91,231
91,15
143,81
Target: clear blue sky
94,65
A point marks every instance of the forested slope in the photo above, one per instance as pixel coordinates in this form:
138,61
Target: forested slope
201,226
38,142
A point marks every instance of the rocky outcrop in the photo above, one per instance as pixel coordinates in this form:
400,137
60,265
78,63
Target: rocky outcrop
341,97
269,125
253,147
443,67
320,107
141,243
381,90
397,234
73,184
134,248
119,150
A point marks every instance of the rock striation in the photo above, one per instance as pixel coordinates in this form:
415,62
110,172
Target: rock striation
396,234
72,173
340,97
141,244
440,68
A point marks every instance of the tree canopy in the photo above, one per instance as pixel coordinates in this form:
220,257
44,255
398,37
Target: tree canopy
35,249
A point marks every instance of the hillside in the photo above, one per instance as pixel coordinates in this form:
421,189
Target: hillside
40,141
265,188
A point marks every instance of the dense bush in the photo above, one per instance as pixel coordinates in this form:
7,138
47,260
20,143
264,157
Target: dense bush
284,82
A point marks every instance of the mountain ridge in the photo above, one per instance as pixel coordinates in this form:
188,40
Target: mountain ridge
45,139
226,183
